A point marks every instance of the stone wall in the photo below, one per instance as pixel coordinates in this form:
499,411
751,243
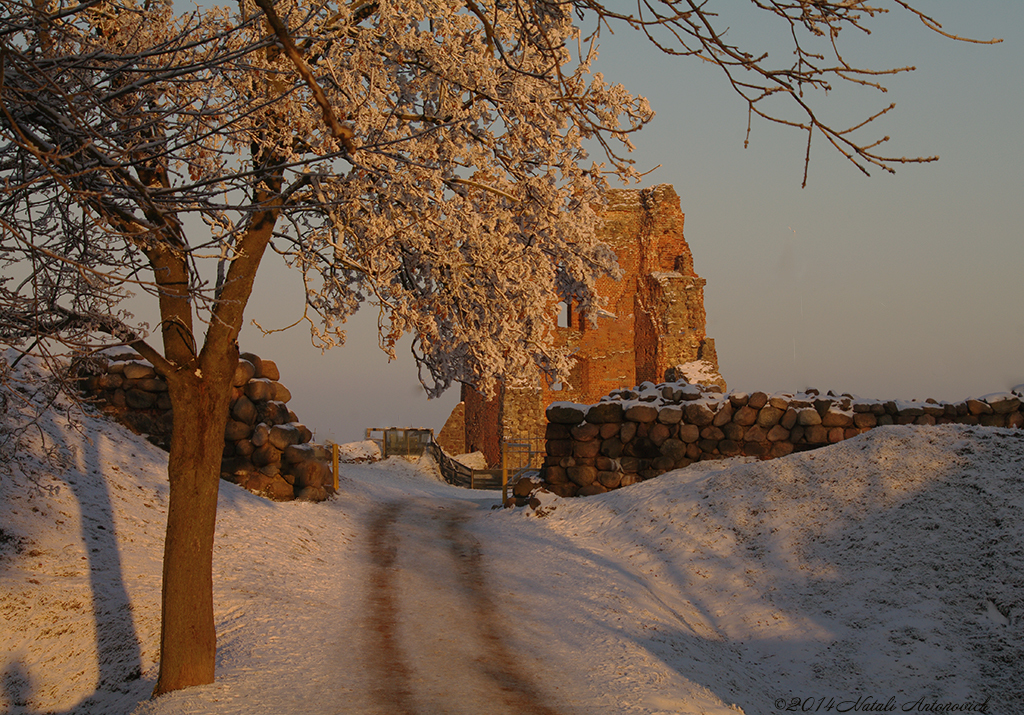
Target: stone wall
266,449
633,435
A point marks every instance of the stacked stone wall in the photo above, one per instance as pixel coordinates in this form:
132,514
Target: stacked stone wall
634,435
266,449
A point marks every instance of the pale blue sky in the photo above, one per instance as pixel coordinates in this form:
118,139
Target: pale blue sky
905,286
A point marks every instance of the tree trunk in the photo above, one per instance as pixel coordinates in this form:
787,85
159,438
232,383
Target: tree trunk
188,640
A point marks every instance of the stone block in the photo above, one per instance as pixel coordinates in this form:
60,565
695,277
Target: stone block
627,432
279,392
244,410
139,399
559,447
734,431
1003,403
137,370
674,448
729,448
658,433
604,412
769,416
689,433
755,433
816,434
712,432
255,361
298,453
642,413
244,371
259,390
834,418
284,434
582,475
557,431
708,446
670,415
236,430
260,434
269,370
663,464
755,449
992,420
612,447
107,381
586,450
566,413
808,417
564,490
585,432
699,414
151,384
745,416
789,418
724,414
555,475
757,400
242,447
781,449
630,464
865,419
267,454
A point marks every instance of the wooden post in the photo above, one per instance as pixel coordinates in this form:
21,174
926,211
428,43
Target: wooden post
334,459
504,473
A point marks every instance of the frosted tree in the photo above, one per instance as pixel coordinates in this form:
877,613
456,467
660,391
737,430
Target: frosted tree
425,157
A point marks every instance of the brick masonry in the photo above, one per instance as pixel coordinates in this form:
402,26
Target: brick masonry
653,321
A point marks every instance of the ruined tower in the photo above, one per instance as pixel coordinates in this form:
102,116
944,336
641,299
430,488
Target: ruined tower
653,323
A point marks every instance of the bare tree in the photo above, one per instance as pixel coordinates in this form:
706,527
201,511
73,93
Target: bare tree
426,158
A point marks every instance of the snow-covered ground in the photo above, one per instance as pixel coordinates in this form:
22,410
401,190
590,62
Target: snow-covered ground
890,566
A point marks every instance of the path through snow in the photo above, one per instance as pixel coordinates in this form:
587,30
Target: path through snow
438,642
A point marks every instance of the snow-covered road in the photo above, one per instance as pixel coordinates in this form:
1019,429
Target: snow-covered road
438,643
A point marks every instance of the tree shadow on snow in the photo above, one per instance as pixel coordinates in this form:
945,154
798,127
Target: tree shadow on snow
120,685
823,574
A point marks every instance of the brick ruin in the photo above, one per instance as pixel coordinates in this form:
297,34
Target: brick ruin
652,329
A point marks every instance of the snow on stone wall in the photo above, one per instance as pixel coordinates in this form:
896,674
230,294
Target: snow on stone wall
634,435
266,449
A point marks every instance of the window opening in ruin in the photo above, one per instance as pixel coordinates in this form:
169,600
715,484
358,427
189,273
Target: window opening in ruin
564,314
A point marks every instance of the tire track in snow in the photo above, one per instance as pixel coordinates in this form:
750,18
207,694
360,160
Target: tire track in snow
386,657
438,641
